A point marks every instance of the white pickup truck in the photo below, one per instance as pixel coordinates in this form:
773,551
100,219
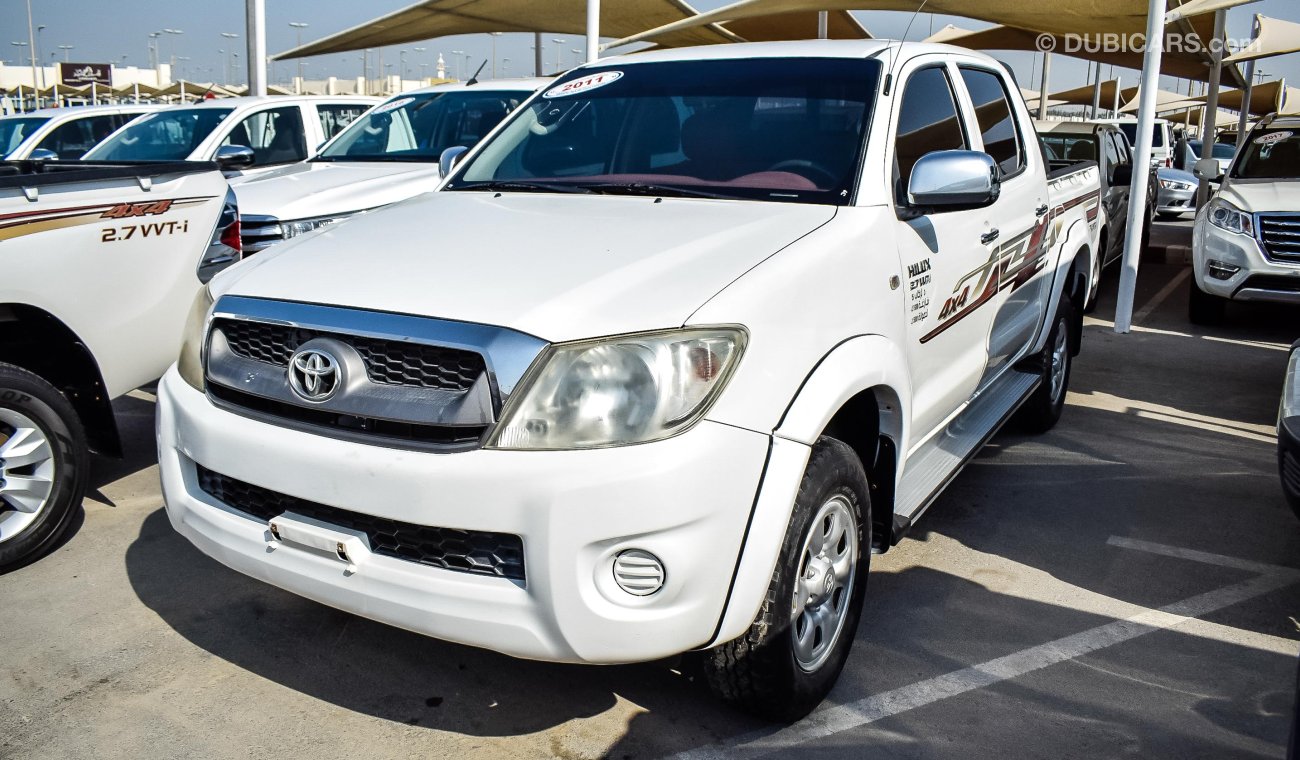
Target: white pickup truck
1246,242
672,352
98,265
390,154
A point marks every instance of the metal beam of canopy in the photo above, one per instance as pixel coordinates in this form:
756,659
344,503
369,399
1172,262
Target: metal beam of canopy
1274,37
841,25
1174,63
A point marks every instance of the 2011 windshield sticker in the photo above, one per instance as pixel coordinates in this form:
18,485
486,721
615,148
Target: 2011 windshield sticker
585,84
1273,137
393,105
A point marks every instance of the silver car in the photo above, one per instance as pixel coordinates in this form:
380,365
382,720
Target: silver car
1177,194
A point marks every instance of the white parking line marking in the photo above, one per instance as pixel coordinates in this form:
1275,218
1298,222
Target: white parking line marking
1146,410
1161,296
829,720
1094,322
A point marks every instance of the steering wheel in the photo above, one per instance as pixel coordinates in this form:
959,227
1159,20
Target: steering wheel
808,170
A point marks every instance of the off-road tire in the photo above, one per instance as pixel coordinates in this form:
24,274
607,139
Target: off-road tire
758,672
42,403
1042,410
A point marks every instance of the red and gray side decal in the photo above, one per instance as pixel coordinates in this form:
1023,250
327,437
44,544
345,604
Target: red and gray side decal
24,223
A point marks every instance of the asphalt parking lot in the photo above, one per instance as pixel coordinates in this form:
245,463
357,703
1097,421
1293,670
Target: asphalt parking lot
1125,586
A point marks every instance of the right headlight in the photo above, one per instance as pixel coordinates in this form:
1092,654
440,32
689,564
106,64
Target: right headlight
619,391
190,363
1228,217
1291,392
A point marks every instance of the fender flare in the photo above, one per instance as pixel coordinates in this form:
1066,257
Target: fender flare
1079,243
853,366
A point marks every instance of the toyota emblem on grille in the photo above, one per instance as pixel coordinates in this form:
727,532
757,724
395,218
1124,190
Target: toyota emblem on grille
313,374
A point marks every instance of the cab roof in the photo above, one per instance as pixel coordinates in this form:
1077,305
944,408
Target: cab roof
793,49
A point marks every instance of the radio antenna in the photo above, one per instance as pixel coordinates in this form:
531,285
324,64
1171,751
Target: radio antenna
893,66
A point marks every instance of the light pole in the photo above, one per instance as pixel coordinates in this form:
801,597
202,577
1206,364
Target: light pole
21,50
153,50
401,62
505,66
458,53
182,59
176,32
299,26
494,36
559,51
577,56
65,49
232,37
40,28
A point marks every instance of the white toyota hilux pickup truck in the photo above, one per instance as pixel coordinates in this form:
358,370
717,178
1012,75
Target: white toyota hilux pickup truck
1246,242
673,350
98,265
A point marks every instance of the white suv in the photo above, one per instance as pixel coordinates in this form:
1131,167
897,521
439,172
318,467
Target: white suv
1246,244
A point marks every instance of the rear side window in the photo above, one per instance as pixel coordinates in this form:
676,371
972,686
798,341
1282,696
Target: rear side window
996,119
927,122
335,116
72,139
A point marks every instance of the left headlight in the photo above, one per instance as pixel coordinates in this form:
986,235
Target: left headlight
303,226
1228,217
190,363
620,391
1173,184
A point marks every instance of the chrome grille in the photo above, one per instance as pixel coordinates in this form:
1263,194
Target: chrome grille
1280,236
258,233
388,362
467,551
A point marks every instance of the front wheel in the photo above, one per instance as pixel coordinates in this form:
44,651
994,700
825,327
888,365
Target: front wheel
1043,409
43,465
796,647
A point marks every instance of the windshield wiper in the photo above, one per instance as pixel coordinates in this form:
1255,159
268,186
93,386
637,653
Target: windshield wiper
641,188
520,186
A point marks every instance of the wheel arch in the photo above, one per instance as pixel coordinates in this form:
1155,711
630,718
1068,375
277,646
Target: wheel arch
42,344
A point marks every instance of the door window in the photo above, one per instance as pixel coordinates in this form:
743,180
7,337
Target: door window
275,135
72,139
927,122
997,121
334,117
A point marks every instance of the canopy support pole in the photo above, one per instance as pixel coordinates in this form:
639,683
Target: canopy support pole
1042,86
255,20
537,54
593,30
1150,87
1211,108
823,25
1096,92
1247,96
1119,86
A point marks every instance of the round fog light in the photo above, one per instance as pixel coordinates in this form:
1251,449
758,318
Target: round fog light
638,572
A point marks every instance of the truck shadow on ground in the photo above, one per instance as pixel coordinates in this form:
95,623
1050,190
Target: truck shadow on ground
919,623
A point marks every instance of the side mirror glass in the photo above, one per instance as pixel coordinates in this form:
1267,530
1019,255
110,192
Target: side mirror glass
953,180
233,157
1122,176
450,157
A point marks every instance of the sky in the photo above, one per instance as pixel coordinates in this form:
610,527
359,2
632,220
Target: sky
117,33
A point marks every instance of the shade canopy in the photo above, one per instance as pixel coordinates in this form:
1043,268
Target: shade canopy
1165,100
1193,116
1082,96
1273,37
1175,62
1264,99
439,18
194,89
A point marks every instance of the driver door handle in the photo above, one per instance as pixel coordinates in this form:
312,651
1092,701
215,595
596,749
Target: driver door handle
990,236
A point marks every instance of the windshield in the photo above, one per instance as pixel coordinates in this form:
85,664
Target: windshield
1221,150
170,135
14,131
1273,154
1131,130
420,127
780,129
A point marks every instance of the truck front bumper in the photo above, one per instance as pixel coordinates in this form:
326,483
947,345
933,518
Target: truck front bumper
1231,265
686,500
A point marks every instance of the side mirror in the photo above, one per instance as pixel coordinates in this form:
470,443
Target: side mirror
41,155
1123,175
953,180
1206,168
450,157
234,157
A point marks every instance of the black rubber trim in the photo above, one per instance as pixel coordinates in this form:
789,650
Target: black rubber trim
744,539
45,174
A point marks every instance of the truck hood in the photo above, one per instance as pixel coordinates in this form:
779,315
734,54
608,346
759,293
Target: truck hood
1256,196
325,188
557,267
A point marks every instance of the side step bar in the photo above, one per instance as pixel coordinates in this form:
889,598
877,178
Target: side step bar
929,470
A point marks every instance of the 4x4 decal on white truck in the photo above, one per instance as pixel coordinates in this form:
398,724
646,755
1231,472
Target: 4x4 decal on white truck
32,222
